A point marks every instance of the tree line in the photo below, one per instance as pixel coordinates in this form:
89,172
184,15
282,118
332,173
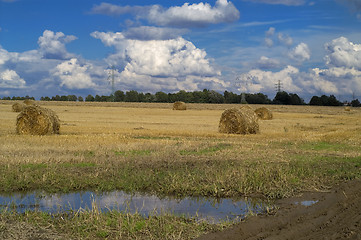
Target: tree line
205,96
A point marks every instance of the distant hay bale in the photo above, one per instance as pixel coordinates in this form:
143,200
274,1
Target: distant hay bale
179,106
29,102
35,120
239,121
347,109
18,107
264,113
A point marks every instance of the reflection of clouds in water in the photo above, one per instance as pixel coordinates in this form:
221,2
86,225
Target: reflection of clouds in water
203,208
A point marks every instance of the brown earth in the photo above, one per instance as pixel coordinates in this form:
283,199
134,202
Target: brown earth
336,215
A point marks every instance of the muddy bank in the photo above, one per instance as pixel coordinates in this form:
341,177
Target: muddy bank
335,215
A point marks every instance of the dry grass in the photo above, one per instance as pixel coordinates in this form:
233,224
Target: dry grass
108,134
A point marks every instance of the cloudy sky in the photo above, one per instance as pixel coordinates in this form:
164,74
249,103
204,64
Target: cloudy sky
55,47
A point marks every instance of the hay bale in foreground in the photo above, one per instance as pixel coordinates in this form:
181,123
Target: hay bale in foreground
179,106
18,107
264,113
35,120
238,121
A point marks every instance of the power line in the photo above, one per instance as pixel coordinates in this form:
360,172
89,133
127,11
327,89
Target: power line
278,86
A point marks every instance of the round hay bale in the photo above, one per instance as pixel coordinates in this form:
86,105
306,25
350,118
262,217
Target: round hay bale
29,102
238,121
179,106
18,107
246,107
264,113
347,108
35,120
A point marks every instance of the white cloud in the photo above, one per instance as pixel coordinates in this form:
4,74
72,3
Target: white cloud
153,33
300,53
169,64
73,75
281,2
10,79
190,15
264,81
285,39
187,15
343,53
267,63
52,45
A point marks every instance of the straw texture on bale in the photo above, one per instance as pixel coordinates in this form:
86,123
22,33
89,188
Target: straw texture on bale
264,113
35,120
179,106
18,107
239,121
29,102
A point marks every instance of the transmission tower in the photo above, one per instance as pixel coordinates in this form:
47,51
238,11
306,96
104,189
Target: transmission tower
111,79
279,86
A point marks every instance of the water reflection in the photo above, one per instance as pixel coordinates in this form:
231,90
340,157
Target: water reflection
203,208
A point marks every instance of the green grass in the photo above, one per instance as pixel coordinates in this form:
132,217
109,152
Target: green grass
92,224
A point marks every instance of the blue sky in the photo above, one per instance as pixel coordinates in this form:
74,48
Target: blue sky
51,47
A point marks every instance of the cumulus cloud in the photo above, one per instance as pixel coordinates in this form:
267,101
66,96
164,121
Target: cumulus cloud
160,63
285,39
10,79
153,33
187,15
52,45
271,37
343,53
73,75
267,63
263,81
281,2
300,53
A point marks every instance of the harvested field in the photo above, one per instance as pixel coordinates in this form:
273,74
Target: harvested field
151,148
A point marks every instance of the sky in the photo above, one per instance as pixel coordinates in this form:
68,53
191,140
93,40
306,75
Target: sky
67,47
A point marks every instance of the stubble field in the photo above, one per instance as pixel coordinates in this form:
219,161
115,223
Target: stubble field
154,149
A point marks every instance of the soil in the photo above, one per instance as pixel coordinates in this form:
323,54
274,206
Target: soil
335,215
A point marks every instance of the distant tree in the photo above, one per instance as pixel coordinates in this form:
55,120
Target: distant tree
72,98
332,101
296,100
230,97
119,96
282,98
131,96
56,98
161,97
258,98
45,98
6,98
316,101
215,97
89,98
148,97
355,103
80,99
63,98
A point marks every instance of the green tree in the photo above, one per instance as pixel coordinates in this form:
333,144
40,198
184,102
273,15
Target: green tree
355,103
80,99
316,101
89,98
131,96
161,97
282,98
119,96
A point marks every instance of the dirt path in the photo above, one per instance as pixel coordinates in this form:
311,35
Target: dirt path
336,215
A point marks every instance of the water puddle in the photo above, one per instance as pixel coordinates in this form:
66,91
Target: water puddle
202,208
307,203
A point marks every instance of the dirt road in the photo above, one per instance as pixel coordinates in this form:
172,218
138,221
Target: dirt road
336,215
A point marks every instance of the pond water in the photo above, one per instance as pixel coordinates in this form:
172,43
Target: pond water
211,210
